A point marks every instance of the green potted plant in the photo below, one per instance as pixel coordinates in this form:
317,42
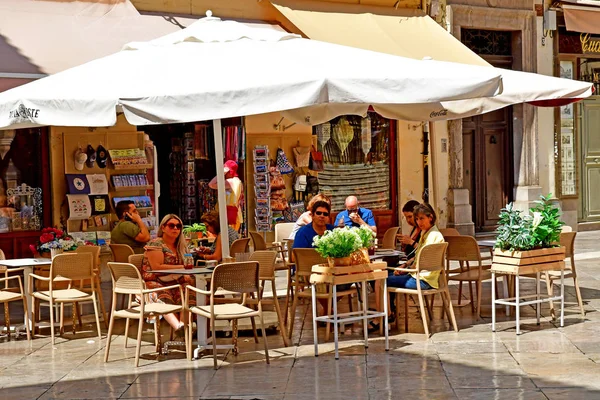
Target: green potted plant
529,239
367,237
192,231
338,245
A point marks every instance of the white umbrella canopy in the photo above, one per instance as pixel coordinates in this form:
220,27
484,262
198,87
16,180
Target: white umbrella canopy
218,69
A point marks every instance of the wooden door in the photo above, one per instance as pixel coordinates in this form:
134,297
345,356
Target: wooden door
590,148
487,165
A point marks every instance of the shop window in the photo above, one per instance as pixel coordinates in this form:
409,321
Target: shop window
357,158
23,179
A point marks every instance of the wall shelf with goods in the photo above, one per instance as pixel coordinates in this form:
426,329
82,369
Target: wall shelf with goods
121,170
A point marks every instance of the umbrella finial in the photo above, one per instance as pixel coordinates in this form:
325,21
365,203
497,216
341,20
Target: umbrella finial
208,13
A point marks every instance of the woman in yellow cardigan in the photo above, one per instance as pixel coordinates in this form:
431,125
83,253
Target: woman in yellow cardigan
425,218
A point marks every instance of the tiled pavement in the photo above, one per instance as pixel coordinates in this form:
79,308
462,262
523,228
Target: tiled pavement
545,362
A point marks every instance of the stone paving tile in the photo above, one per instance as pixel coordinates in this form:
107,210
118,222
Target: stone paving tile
500,394
545,362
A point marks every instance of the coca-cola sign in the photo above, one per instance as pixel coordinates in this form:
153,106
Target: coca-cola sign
441,113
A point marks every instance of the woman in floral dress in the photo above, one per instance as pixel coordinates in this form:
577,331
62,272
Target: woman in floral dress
166,252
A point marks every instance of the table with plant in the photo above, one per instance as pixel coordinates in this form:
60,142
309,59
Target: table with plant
346,251
527,245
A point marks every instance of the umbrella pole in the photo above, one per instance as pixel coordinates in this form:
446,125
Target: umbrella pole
221,187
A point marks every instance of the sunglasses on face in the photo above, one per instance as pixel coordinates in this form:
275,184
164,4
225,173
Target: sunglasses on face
323,213
171,225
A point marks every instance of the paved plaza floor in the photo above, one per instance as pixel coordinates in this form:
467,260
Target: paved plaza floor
544,362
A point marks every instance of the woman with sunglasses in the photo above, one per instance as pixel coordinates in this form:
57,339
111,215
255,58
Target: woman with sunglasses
166,252
320,223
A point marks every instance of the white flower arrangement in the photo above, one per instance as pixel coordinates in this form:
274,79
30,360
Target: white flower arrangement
64,244
339,243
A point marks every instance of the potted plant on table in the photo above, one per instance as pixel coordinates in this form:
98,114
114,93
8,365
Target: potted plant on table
529,239
338,245
54,241
194,231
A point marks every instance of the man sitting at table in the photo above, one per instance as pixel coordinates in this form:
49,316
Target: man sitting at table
130,229
354,215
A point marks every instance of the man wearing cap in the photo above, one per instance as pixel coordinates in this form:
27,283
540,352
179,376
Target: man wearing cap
130,230
354,215
233,194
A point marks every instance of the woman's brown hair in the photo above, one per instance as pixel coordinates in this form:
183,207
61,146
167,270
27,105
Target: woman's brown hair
426,210
212,219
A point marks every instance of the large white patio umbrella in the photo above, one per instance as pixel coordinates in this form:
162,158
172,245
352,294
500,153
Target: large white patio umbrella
217,69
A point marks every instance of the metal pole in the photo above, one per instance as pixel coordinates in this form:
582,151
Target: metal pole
221,187
425,163
518,304
314,318
493,301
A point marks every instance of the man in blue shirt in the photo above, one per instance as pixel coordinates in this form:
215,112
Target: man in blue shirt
354,215
320,217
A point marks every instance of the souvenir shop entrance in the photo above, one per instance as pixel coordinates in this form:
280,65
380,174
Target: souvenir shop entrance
348,155
186,164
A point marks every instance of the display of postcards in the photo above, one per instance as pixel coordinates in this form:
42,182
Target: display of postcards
261,152
104,221
262,220
261,178
262,212
262,193
263,227
261,169
190,190
139,201
191,166
117,182
90,237
190,203
262,185
263,203
189,155
144,180
189,144
191,178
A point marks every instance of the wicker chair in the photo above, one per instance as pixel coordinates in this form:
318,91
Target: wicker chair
239,277
137,260
305,259
127,280
68,268
389,238
449,232
431,258
85,285
239,246
567,239
259,243
266,261
121,252
465,250
10,294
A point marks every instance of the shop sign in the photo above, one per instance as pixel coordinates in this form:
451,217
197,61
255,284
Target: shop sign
23,113
588,44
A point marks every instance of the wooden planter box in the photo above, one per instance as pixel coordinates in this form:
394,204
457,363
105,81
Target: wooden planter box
323,273
528,262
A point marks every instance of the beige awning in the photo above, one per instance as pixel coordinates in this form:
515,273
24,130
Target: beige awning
582,19
46,37
407,33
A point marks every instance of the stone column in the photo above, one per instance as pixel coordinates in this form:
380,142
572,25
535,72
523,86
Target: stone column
460,214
